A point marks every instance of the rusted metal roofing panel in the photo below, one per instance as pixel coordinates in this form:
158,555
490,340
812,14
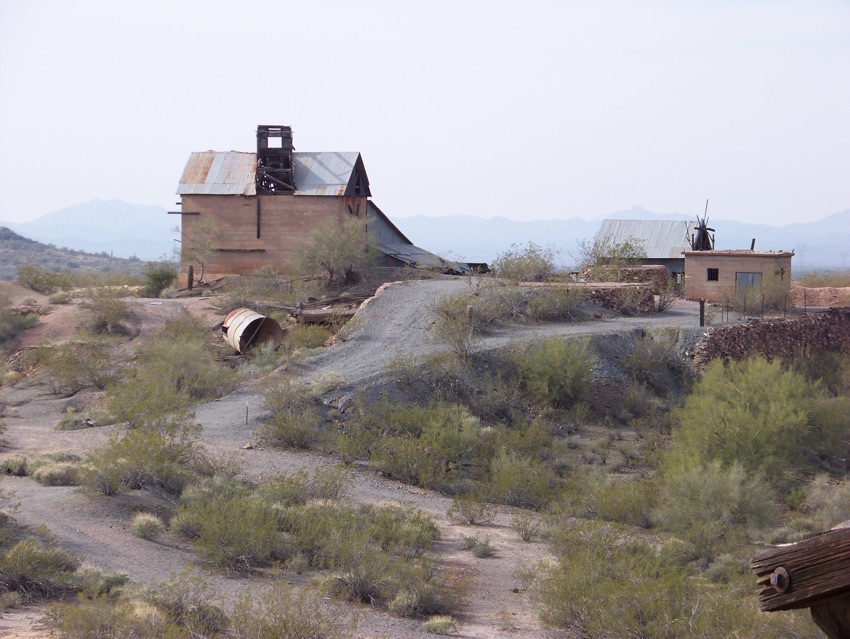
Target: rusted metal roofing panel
219,173
234,173
662,239
420,258
323,173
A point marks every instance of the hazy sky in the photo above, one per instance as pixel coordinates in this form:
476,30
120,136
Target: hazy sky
528,110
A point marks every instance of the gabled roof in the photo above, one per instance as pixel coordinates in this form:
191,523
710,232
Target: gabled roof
234,173
662,239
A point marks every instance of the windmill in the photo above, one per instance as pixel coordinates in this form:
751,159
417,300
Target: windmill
703,239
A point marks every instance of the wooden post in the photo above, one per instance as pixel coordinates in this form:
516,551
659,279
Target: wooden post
190,277
702,312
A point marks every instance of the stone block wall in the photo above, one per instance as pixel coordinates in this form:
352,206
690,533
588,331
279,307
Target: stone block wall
784,338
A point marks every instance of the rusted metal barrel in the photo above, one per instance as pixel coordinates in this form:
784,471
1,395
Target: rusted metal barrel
244,329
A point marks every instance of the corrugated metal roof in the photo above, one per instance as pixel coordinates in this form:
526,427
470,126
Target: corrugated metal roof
234,173
662,239
324,173
219,173
420,258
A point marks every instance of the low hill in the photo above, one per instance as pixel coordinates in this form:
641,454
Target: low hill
16,251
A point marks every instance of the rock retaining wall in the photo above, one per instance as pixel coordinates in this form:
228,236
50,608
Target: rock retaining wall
785,338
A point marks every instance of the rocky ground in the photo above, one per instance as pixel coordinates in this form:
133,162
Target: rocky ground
394,323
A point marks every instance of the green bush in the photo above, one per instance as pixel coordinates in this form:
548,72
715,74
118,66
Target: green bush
520,481
555,371
526,525
12,324
554,305
758,414
15,465
147,526
57,474
295,418
609,498
185,600
41,280
286,613
456,325
608,586
529,263
338,250
714,507
471,510
163,458
37,572
653,359
71,367
107,310
158,277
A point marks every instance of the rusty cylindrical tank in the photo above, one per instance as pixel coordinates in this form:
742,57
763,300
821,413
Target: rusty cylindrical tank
244,329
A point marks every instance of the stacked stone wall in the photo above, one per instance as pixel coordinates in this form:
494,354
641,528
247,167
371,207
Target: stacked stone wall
783,338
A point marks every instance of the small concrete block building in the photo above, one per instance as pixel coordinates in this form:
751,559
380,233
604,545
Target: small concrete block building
724,276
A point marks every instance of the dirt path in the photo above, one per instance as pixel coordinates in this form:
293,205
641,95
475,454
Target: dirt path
393,323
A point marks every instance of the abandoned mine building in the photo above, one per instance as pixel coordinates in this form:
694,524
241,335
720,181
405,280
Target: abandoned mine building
686,250
665,241
263,207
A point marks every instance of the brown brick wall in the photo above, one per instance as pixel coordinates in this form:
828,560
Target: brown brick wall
286,223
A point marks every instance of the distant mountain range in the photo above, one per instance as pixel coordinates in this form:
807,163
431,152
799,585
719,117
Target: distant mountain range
113,227
147,232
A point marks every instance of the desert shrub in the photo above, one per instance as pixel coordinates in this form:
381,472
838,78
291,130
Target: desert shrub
305,337
238,532
62,297
456,326
291,489
56,474
37,572
107,310
591,495
338,249
653,359
758,414
15,465
295,418
147,526
158,277
553,305
555,371
827,502
829,369
41,280
98,617
73,366
471,510
440,625
79,421
529,263
655,595
602,256
668,295
714,507
526,525
185,600
12,324
823,278
284,612
520,481
162,458
480,546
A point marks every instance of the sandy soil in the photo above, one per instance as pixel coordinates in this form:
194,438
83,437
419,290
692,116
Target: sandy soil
394,322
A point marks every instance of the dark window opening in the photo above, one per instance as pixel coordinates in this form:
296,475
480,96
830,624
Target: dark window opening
713,274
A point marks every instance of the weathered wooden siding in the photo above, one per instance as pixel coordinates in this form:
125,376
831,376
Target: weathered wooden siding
285,225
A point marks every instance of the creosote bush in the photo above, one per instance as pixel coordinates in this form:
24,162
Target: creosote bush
555,371
529,263
295,417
